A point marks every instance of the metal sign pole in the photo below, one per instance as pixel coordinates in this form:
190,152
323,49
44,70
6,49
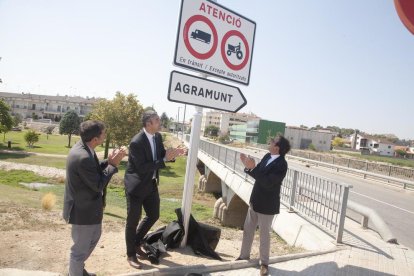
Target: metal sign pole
190,171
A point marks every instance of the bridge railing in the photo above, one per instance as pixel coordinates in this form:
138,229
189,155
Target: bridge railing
317,199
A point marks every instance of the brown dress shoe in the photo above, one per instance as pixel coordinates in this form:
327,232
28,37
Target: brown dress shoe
133,261
264,270
139,251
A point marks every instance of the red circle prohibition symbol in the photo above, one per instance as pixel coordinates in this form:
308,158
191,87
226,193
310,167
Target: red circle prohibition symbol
187,43
223,50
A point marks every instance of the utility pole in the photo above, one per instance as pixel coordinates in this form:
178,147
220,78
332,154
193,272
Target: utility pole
178,120
182,135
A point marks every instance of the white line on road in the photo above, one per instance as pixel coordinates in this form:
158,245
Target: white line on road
402,209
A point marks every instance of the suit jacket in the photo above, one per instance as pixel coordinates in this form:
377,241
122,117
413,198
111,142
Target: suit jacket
265,196
141,164
86,180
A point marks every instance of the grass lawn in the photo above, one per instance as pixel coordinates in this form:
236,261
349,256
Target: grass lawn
56,162
52,144
171,190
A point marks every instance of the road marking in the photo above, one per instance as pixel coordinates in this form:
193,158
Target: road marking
402,209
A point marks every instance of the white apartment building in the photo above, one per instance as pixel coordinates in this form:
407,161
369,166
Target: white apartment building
46,107
373,145
224,120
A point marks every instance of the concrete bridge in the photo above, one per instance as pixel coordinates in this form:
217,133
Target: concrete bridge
320,201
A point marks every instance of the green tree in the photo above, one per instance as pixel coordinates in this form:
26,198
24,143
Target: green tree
211,130
338,142
17,119
48,130
401,152
69,124
6,120
122,118
165,122
224,139
31,137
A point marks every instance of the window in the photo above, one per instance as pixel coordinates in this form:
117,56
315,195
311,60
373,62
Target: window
389,147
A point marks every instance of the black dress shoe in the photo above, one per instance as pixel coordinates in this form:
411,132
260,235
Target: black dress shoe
241,259
139,251
133,261
264,270
86,273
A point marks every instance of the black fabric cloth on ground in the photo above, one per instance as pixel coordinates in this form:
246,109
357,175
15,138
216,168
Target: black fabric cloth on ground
160,240
202,238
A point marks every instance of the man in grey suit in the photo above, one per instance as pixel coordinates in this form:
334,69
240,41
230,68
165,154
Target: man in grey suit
265,198
86,179
146,156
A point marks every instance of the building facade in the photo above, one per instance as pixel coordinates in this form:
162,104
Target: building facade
372,145
46,107
256,131
225,120
301,138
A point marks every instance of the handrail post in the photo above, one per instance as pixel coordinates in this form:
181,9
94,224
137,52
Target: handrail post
235,160
293,191
342,215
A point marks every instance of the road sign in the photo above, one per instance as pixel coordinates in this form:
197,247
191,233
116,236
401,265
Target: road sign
215,40
189,89
405,10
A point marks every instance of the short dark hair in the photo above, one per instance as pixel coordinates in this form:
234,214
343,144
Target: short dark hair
283,144
147,116
91,129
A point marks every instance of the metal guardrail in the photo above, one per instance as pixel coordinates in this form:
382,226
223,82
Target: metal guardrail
363,168
360,165
372,167
304,197
325,209
403,183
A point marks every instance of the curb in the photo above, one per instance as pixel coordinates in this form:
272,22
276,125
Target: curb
231,265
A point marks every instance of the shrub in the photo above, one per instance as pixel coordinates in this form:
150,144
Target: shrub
31,137
48,201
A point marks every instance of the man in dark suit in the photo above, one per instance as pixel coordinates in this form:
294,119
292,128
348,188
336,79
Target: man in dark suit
86,180
146,156
265,198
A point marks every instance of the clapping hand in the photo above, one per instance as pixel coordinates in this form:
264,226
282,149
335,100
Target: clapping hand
247,161
172,153
116,156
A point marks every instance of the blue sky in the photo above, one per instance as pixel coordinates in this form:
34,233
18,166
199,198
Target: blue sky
344,63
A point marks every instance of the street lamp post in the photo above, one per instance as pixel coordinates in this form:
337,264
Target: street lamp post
178,119
182,135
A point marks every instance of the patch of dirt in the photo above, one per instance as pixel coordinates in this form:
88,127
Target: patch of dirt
32,239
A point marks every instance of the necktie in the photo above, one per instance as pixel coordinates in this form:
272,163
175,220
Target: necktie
154,154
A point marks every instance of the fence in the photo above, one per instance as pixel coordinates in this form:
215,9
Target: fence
317,199
378,168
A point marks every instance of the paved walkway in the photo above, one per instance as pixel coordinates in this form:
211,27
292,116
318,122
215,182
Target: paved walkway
362,253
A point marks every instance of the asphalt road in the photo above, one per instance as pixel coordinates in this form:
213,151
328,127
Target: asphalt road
394,205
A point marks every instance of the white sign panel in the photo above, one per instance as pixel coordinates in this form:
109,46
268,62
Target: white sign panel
215,40
189,89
